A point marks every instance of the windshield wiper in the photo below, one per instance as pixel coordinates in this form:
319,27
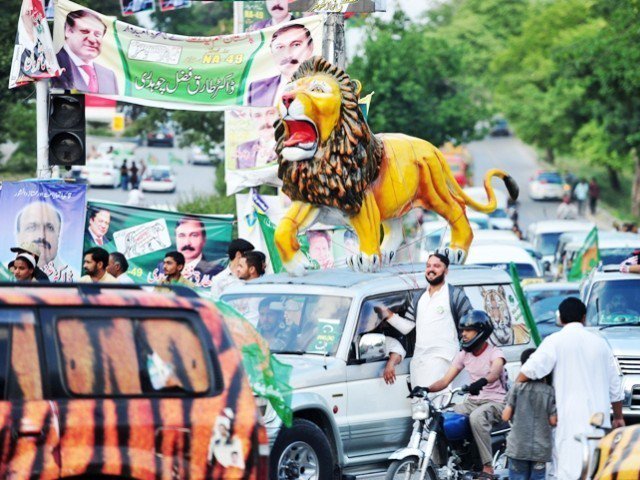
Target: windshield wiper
289,352
630,324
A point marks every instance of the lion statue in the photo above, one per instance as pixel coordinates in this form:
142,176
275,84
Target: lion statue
337,172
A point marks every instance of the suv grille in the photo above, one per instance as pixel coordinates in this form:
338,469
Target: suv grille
629,365
635,397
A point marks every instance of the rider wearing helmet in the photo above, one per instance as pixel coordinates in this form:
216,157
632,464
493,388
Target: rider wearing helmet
485,365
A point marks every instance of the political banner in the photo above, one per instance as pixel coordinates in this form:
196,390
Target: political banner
33,53
249,146
144,236
251,16
100,54
338,6
51,216
131,7
168,5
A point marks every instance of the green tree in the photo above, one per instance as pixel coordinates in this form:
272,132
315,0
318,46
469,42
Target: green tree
420,87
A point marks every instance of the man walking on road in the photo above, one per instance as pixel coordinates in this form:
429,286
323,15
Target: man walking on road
581,192
586,379
594,195
437,315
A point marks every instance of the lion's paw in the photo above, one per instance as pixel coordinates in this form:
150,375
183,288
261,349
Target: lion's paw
298,265
456,256
386,257
364,263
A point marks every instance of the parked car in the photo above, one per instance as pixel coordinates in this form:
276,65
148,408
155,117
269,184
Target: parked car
110,381
544,236
198,156
345,416
498,219
544,299
159,178
499,256
162,137
545,185
500,128
101,173
613,312
437,233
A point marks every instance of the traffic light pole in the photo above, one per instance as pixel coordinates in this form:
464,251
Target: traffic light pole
43,170
333,48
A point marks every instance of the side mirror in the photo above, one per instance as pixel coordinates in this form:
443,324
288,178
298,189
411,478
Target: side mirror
371,347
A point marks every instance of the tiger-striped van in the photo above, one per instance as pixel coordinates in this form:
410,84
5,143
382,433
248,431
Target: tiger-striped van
117,382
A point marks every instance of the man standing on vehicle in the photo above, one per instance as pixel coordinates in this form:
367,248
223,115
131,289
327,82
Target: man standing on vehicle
485,365
437,316
228,276
586,379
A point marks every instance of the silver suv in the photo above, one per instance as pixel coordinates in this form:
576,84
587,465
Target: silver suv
346,419
613,311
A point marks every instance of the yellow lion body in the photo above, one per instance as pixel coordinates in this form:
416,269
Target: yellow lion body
372,180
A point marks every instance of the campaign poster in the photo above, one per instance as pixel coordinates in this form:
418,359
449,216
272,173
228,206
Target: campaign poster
51,216
145,235
131,7
338,6
168,5
159,69
249,146
33,52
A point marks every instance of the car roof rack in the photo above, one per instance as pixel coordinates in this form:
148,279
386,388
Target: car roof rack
97,288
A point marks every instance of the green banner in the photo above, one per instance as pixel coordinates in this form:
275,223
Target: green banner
524,305
587,258
144,236
102,55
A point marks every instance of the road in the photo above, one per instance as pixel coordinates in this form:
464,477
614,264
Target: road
519,160
192,179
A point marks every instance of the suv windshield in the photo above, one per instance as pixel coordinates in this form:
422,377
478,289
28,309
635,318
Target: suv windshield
295,323
547,242
614,256
614,302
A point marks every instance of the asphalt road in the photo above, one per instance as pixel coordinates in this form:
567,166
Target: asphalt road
191,179
519,160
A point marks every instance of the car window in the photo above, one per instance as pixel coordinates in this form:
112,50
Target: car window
295,323
401,303
614,256
550,178
614,302
18,334
501,304
545,302
130,357
525,270
546,242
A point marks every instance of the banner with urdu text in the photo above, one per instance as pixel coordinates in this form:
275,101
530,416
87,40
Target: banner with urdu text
100,54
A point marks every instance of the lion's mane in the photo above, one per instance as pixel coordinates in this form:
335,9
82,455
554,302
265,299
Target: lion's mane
342,168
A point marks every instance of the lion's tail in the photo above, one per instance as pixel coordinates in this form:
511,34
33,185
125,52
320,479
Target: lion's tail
509,182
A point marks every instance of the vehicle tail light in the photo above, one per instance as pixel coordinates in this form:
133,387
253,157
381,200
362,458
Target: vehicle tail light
166,179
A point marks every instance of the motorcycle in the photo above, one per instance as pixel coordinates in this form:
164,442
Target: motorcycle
448,435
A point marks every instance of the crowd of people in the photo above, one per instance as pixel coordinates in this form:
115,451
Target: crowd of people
574,203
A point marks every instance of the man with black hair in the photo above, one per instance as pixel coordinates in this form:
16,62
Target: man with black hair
586,379
95,266
250,265
228,276
437,315
118,266
173,265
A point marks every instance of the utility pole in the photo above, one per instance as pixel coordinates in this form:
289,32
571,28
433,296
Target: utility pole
43,170
333,47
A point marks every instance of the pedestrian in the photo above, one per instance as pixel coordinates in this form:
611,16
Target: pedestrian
24,268
143,167
124,176
437,315
485,365
594,195
581,192
586,380
133,175
135,198
95,264
566,210
516,230
531,408
118,266
228,276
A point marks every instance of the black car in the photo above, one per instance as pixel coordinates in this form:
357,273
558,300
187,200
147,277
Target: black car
163,137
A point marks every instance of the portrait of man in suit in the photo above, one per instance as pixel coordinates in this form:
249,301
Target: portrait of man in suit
290,46
191,238
278,13
262,150
83,35
99,221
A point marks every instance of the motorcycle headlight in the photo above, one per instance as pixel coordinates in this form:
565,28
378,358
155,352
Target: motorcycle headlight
419,411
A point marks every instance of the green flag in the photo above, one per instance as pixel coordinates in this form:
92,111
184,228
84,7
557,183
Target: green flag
524,305
268,229
586,259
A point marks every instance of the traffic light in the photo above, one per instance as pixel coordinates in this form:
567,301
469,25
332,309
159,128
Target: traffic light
67,130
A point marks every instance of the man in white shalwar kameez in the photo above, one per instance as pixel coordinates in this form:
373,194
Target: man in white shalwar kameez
586,379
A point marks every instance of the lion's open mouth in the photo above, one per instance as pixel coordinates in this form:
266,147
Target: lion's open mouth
302,139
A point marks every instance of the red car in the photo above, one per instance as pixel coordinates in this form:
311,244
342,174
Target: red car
459,169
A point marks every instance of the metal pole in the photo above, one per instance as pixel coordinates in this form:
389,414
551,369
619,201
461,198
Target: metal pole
333,48
43,170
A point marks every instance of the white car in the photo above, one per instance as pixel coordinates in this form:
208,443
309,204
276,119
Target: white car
499,218
437,234
547,186
159,178
544,235
101,173
499,256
